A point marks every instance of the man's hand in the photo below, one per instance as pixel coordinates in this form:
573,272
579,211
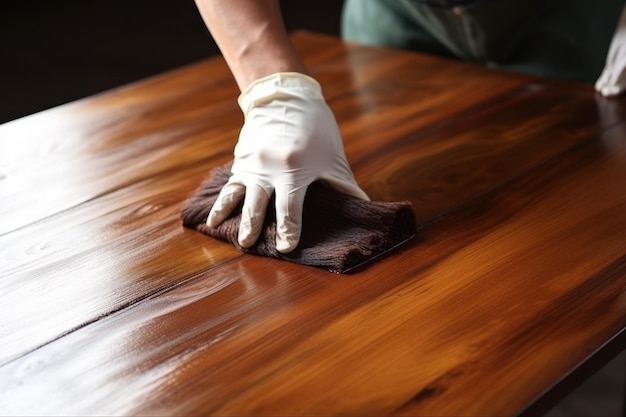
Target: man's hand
612,81
289,139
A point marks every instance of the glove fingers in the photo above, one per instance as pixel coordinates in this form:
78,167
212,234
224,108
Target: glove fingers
615,87
252,215
228,198
289,204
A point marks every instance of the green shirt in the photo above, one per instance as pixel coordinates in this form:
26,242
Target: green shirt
558,38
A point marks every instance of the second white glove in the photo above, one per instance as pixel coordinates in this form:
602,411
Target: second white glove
612,81
290,138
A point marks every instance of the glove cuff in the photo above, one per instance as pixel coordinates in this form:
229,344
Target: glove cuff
280,85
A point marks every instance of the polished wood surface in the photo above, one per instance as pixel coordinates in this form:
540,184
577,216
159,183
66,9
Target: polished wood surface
516,280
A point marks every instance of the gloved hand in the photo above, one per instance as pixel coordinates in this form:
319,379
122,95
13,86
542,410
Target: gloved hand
289,139
612,81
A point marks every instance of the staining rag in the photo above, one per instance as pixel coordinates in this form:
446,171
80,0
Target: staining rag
339,232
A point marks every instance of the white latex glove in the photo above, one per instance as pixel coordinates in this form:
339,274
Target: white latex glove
612,81
289,139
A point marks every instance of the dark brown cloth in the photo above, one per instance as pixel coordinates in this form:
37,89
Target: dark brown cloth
339,232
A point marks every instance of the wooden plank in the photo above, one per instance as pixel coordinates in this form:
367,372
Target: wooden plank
58,159
439,168
77,152
102,256
106,243
492,305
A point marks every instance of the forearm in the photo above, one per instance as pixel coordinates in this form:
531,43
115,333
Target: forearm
251,36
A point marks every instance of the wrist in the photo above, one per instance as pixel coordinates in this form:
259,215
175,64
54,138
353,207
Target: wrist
265,53
280,85
249,70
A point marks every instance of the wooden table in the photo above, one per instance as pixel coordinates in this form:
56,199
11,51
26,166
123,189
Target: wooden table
513,291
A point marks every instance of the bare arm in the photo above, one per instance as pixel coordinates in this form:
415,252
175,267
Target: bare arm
252,37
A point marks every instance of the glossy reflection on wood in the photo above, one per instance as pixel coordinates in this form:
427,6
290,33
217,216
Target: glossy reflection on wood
518,275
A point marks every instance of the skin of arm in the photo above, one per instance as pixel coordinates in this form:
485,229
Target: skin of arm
252,38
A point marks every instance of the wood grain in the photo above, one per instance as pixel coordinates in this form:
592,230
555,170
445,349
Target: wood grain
437,170
131,150
518,275
104,255
74,153
288,328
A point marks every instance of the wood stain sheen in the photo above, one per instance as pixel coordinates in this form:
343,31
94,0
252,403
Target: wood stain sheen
515,281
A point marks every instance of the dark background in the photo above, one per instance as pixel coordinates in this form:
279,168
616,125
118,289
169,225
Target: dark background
56,51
